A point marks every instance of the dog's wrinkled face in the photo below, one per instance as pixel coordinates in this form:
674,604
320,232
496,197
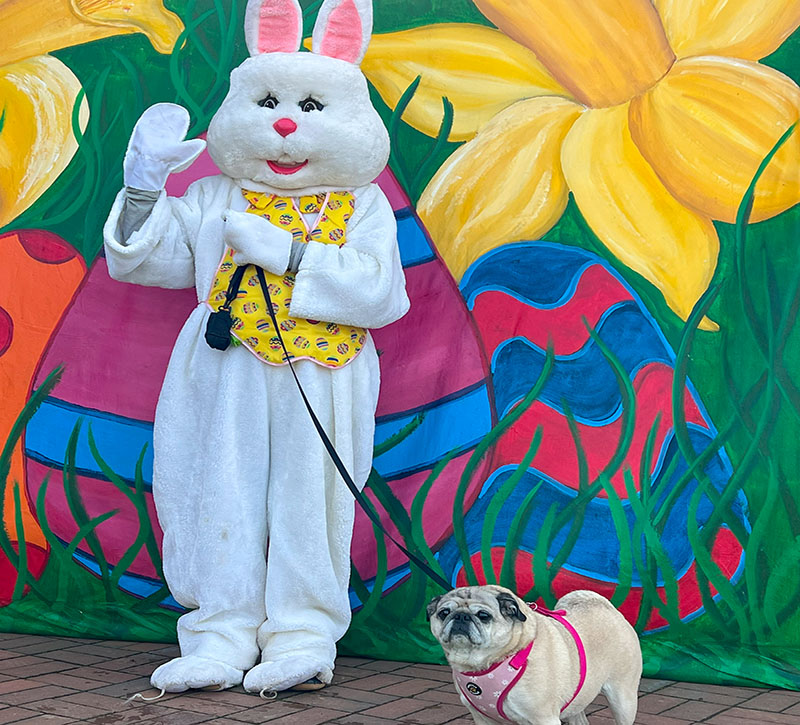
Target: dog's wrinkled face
475,619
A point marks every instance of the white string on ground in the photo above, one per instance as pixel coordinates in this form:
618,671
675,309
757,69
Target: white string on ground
140,696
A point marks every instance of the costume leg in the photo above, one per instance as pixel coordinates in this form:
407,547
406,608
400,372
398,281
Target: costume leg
310,513
211,459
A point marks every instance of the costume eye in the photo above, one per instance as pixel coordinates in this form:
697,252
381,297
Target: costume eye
269,102
484,616
443,613
310,104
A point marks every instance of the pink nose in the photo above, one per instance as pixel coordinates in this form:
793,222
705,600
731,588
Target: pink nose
285,126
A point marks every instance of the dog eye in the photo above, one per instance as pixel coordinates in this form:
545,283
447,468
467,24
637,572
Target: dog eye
269,102
443,613
310,104
484,616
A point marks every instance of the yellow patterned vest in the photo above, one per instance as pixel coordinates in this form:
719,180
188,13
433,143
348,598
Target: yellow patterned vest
326,343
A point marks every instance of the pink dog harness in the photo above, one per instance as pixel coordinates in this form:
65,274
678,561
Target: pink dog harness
486,691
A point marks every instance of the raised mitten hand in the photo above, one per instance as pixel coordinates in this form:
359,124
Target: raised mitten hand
157,147
257,241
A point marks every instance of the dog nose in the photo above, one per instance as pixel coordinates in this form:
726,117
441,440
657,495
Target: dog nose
461,617
285,126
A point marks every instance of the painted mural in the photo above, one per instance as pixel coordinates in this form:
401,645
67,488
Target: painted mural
596,386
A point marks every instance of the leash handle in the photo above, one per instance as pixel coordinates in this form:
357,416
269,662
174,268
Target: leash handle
359,496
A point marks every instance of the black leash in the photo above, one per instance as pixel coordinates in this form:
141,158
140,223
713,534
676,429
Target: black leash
359,496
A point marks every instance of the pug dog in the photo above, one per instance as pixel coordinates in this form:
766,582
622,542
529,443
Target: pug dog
486,631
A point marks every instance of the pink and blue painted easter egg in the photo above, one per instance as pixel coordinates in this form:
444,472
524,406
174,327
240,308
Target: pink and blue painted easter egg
109,391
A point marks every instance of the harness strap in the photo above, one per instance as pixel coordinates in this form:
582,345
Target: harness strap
560,616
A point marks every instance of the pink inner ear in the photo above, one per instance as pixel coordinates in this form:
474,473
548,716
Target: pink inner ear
278,21
343,35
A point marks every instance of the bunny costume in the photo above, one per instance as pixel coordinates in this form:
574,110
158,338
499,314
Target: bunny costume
257,523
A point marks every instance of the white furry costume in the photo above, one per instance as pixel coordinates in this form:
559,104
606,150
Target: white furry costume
237,460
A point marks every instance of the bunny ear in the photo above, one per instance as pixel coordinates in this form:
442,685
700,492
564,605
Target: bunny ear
273,26
343,29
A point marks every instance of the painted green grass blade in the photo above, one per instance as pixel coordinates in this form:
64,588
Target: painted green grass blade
575,511
628,403
391,504
152,600
417,507
87,530
137,501
360,588
402,521
397,438
648,570
395,158
709,568
23,575
646,461
78,509
370,599
743,214
183,96
782,578
497,503
752,558
370,604
669,609
145,522
459,530
14,435
415,596
508,575
618,518
580,452
432,160
542,579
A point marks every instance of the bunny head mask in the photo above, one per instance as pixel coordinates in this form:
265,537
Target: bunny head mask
301,122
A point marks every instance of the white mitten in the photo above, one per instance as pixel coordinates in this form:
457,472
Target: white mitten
257,241
157,147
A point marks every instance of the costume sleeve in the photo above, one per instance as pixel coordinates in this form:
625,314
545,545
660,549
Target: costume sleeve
160,253
361,283
138,205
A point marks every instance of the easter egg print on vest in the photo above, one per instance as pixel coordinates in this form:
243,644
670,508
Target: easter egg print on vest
326,343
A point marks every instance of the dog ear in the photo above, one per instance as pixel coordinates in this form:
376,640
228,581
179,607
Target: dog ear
431,608
509,608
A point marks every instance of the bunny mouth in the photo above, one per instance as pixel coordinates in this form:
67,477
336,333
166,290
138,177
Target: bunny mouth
279,168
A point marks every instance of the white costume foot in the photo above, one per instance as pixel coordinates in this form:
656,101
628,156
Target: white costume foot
286,673
195,673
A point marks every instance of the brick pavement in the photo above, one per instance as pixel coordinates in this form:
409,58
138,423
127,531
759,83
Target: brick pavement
57,680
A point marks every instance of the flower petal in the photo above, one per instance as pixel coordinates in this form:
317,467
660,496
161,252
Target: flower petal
504,186
37,97
36,27
719,117
478,69
743,28
632,213
603,51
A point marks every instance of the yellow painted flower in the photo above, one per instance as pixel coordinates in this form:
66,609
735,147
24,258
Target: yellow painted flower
655,114
38,92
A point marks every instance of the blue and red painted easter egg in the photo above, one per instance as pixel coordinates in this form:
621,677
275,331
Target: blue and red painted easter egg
524,297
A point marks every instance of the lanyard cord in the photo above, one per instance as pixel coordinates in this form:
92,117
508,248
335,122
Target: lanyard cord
359,496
